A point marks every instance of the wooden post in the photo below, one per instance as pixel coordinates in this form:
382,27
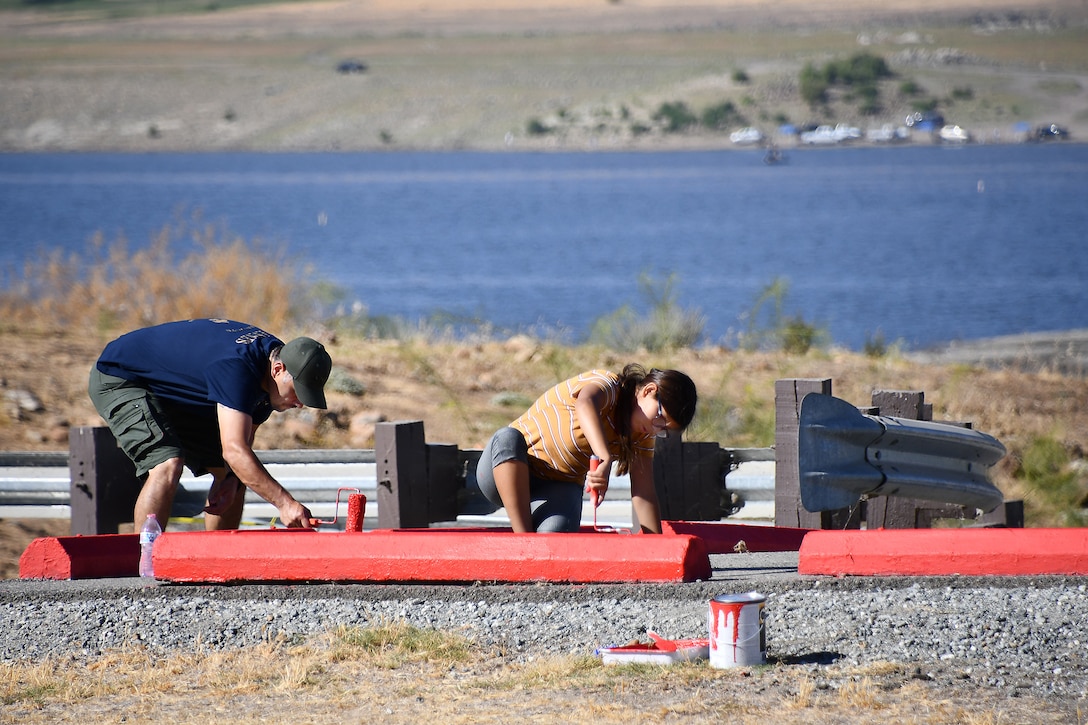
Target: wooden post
103,482
788,510
688,481
895,512
443,482
1009,515
400,455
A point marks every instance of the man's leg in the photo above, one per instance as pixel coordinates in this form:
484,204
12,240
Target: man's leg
143,431
227,516
157,495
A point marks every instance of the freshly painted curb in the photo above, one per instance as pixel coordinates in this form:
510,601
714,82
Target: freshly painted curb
427,556
941,552
101,556
725,538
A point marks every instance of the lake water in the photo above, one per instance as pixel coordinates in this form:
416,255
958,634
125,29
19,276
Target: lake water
920,244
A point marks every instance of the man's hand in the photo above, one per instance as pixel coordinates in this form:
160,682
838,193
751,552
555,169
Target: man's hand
296,516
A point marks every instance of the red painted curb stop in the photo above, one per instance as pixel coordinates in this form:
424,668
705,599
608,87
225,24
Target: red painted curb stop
427,556
941,552
724,538
81,557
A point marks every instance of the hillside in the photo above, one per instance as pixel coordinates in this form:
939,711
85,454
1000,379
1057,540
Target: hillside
498,74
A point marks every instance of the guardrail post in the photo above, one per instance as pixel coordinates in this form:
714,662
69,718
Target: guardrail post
103,483
895,512
418,483
400,455
688,480
788,510
443,482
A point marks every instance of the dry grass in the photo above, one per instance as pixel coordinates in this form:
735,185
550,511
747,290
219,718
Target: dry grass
188,270
396,673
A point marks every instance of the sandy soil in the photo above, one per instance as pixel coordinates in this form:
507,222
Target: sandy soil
388,17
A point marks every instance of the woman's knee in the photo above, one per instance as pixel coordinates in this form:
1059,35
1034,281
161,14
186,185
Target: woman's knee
507,444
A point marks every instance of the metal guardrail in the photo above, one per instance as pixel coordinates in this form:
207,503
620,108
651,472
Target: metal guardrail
41,479
845,454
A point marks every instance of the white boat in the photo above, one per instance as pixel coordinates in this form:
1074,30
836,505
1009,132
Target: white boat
847,133
884,134
820,135
954,134
746,135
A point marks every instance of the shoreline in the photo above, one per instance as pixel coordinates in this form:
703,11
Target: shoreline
1059,351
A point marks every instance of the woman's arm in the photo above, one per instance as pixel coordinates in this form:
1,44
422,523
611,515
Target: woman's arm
587,407
644,495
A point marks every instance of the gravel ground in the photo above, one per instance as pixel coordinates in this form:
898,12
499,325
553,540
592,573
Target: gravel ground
1012,637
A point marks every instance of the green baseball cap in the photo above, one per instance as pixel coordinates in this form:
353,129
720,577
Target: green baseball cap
309,364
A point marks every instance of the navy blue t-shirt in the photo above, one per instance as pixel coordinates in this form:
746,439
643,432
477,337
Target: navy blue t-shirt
197,363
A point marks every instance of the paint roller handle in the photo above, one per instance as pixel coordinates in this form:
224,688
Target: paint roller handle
595,497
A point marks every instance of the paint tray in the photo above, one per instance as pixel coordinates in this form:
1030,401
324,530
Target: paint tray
687,650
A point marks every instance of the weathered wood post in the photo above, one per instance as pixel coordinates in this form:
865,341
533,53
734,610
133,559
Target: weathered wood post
417,483
788,510
896,512
400,457
103,485
688,480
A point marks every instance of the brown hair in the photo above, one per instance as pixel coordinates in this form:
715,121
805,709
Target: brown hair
675,391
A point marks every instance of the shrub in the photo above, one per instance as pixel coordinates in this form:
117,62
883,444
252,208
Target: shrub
1055,485
536,127
814,85
675,116
722,116
860,72
665,327
909,88
768,327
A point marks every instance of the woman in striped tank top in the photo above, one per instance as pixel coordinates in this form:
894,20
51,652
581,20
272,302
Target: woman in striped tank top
538,465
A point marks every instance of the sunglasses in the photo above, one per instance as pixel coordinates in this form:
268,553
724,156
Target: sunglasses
660,423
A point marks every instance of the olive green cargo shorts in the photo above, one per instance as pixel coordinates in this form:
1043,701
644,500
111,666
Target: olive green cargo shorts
151,431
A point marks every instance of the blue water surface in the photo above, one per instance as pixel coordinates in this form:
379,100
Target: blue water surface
922,244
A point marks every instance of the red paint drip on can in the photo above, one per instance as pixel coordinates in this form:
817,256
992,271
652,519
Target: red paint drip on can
738,636
356,512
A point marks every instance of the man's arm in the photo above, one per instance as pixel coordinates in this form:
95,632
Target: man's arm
236,432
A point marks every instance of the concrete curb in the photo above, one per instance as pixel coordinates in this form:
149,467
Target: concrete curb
941,552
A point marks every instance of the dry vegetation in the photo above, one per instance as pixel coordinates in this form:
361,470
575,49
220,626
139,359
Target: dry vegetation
398,674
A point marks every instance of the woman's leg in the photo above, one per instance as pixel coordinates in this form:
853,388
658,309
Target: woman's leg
503,476
557,506
512,482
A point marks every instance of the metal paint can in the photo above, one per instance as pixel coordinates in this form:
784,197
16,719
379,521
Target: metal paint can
738,636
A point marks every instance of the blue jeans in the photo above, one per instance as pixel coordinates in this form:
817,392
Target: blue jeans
556,505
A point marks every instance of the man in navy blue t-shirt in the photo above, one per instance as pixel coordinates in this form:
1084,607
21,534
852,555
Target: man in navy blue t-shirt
192,393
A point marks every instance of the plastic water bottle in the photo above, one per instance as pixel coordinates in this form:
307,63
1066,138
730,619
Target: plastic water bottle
148,533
